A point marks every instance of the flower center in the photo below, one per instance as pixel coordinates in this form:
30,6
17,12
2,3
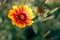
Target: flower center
21,17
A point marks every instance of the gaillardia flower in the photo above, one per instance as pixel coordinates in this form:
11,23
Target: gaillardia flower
21,16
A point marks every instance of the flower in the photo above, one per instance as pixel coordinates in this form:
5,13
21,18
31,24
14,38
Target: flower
21,16
40,10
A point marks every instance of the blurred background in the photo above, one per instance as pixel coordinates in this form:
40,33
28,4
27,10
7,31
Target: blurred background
46,26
